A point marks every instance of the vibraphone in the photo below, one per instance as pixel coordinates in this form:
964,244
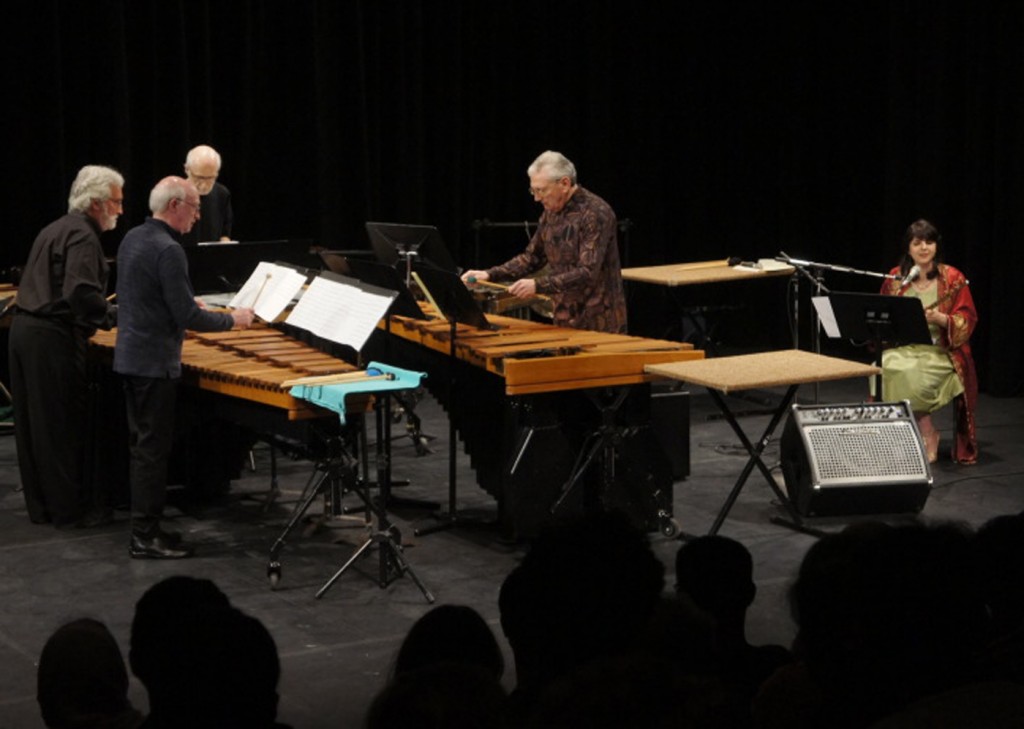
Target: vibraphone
525,408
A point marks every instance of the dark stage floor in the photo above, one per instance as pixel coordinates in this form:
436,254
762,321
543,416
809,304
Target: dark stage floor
336,651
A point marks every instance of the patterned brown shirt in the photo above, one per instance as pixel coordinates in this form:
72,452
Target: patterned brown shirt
579,246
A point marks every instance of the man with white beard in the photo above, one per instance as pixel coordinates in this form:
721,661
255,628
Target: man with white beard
61,303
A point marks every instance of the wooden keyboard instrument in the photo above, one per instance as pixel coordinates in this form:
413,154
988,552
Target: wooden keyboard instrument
251,364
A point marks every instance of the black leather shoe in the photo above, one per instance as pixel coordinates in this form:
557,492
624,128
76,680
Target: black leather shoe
172,538
157,547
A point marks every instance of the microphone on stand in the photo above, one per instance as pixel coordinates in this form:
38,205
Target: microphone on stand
913,273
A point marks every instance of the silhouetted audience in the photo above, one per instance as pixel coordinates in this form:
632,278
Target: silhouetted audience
441,696
585,590
447,674
999,556
450,634
203,662
890,622
639,691
716,575
82,680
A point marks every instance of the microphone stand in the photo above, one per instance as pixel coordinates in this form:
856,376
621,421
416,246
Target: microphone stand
805,269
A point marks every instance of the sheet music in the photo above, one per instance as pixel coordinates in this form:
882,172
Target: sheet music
271,288
341,312
827,317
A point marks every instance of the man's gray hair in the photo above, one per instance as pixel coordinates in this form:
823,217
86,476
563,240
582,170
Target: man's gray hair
169,188
92,183
202,152
554,165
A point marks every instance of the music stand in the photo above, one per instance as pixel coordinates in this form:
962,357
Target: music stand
450,294
220,268
458,306
395,242
387,277
880,319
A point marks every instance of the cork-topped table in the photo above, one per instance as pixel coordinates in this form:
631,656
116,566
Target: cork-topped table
676,277
701,272
788,368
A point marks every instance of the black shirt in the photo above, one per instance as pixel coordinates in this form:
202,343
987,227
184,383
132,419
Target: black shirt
65,277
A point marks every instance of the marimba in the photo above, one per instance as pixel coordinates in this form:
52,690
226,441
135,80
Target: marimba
534,357
232,394
531,395
250,365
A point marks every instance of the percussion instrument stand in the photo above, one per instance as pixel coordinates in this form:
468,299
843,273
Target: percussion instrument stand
332,475
604,442
451,518
385,535
412,420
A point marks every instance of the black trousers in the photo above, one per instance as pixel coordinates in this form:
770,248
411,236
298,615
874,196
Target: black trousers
150,405
49,390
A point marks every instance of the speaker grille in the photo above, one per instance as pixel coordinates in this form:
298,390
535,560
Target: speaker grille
854,454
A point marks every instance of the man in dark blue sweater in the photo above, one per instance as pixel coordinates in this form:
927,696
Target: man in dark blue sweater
156,305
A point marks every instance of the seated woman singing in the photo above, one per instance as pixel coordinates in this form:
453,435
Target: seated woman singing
931,376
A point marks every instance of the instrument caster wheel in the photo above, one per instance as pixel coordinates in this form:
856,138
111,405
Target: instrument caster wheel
669,527
274,574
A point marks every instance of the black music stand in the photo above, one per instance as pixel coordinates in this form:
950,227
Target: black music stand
404,304
385,277
880,319
457,304
225,267
395,243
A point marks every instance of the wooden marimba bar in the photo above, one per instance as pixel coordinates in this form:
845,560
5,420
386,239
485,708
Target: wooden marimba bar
250,364
535,357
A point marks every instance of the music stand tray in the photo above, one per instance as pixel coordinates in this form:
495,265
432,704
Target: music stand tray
452,296
381,276
894,320
391,242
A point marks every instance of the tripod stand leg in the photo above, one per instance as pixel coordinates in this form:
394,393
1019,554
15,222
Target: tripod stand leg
313,488
392,565
579,468
340,572
395,553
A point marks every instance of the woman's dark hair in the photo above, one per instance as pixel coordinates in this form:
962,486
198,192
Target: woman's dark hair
922,230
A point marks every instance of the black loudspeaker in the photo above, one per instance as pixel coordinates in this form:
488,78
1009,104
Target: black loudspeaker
670,422
862,458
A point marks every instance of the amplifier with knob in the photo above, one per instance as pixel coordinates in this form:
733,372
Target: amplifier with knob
861,458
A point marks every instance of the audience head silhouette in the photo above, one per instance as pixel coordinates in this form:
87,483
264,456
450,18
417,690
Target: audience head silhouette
82,680
203,662
586,588
450,634
441,696
887,615
717,574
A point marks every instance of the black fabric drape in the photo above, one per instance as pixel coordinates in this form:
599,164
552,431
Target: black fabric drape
718,129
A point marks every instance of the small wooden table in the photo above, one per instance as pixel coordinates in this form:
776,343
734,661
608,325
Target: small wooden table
675,276
790,368
700,272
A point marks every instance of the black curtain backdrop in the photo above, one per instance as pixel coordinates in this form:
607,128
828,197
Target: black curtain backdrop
718,129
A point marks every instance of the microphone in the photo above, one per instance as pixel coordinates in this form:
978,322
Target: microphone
913,273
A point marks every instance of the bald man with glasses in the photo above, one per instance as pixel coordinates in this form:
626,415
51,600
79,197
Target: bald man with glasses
202,168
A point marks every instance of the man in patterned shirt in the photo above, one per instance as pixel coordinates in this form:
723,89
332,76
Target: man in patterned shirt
576,240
